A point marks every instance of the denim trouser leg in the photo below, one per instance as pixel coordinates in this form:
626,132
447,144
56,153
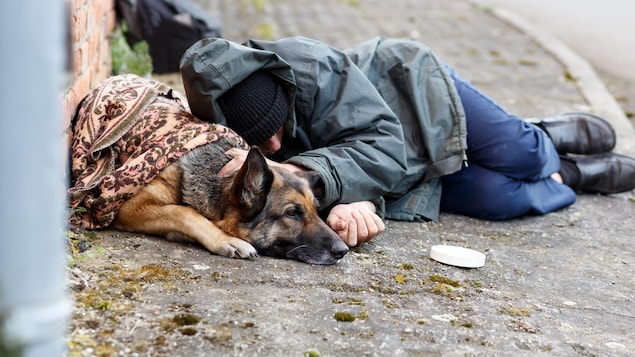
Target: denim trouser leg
482,193
510,163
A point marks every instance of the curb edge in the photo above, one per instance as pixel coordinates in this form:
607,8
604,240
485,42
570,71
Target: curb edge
591,87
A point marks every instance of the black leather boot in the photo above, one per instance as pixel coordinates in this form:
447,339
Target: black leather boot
604,173
578,133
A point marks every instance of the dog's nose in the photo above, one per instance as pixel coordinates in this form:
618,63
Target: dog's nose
339,250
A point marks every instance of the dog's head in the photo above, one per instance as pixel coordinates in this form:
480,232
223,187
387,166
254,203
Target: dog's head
278,213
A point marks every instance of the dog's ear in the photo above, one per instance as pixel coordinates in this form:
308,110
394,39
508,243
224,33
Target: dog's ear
315,182
253,183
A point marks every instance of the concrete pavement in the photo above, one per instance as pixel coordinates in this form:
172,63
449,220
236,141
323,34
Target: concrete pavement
600,31
557,285
590,85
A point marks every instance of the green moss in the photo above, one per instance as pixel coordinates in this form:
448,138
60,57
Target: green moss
78,343
443,289
459,323
390,304
526,62
189,331
248,324
167,325
220,334
152,273
512,311
444,280
112,296
342,287
349,301
82,245
95,298
105,349
118,285
344,317
568,76
400,278
130,290
186,319
312,352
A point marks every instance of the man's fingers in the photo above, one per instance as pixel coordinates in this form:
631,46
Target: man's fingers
336,223
380,223
369,226
340,225
234,152
375,225
341,228
230,167
355,223
360,223
351,236
239,156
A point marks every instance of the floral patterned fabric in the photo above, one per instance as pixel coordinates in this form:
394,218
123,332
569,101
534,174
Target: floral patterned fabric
125,131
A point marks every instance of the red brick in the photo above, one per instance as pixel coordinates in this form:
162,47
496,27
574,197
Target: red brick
94,42
79,26
77,62
69,104
83,85
91,23
76,5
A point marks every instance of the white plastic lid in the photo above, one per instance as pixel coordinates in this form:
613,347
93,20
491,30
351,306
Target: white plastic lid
457,256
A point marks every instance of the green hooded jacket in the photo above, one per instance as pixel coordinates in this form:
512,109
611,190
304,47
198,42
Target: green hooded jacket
379,122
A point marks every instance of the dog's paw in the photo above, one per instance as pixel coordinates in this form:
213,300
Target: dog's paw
229,246
238,248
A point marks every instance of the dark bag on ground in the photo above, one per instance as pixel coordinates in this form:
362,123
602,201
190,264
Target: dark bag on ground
168,26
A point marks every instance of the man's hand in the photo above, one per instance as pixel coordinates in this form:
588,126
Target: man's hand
234,164
356,222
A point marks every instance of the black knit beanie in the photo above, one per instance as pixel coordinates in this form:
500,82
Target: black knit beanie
256,108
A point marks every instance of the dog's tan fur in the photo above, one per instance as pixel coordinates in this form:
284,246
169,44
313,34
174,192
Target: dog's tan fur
156,210
262,209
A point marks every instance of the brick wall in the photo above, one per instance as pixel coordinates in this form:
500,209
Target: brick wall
92,21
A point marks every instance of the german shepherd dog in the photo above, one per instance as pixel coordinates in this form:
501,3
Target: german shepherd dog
260,208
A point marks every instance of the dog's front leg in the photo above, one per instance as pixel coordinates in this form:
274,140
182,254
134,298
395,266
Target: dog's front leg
166,220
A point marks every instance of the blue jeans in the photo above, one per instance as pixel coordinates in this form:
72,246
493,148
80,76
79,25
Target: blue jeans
509,164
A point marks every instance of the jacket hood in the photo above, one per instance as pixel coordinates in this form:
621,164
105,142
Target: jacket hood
212,66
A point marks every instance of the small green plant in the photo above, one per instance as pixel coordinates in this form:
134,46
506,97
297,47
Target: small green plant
81,245
125,59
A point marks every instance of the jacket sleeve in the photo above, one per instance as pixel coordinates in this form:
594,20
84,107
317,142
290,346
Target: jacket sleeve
355,140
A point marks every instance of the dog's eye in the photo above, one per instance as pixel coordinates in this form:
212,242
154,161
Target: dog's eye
294,212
